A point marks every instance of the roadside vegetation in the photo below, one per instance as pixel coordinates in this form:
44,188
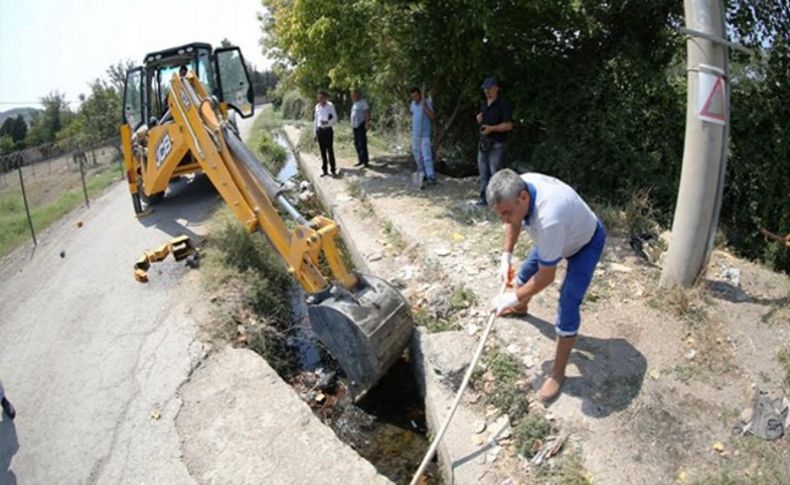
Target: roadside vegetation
14,228
598,90
252,291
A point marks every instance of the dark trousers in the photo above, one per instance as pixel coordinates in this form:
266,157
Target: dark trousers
361,143
489,163
325,140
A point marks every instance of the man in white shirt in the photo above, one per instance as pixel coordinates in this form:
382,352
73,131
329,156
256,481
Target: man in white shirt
360,123
562,226
324,118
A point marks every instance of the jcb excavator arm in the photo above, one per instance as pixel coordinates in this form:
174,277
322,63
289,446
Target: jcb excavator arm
363,321
249,189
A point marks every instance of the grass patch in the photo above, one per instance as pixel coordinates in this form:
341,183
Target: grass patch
687,304
757,461
246,263
461,298
508,396
530,430
567,469
393,235
432,323
14,228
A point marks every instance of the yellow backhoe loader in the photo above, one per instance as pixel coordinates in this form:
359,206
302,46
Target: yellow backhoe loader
178,119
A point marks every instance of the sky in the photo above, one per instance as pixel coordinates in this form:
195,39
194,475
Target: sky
48,45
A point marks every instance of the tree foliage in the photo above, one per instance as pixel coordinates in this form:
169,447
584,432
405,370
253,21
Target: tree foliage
15,128
598,88
46,124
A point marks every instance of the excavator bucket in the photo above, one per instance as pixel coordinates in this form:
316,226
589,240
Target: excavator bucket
365,329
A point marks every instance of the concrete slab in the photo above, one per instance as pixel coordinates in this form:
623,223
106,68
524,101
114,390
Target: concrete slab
240,423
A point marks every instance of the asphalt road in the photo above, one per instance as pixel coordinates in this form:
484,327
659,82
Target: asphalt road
92,359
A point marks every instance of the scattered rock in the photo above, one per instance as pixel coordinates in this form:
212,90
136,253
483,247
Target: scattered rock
654,374
479,427
620,268
691,354
493,454
304,185
79,223
155,415
448,354
375,256
513,349
63,254
719,447
441,251
472,329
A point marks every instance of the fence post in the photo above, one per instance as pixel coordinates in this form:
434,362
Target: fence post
27,208
80,157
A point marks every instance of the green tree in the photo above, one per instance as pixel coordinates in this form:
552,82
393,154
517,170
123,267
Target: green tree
6,144
116,74
46,124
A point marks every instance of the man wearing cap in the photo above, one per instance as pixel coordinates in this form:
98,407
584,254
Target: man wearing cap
495,120
562,226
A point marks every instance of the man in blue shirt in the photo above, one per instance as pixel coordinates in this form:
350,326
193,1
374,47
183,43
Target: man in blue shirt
421,115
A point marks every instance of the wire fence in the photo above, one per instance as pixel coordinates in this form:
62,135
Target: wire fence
41,184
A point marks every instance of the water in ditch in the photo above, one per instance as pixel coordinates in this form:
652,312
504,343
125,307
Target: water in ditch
387,427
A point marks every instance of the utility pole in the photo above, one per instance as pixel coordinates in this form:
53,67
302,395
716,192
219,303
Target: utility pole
705,150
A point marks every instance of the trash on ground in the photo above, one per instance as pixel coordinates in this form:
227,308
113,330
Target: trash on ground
180,247
549,448
646,246
767,419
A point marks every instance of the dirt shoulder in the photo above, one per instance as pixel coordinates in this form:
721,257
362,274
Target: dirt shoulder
658,378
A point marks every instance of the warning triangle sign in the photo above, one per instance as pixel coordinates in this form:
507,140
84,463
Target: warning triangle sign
712,98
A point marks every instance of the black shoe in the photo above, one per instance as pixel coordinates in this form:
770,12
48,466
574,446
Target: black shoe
481,203
334,174
359,164
325,174
8,409
430,182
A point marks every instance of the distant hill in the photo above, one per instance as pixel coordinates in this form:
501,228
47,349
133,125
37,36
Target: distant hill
26,113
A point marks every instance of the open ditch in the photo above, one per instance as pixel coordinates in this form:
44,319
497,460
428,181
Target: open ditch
387,426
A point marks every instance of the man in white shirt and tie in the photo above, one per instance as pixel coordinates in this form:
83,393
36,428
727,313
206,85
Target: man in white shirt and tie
324,118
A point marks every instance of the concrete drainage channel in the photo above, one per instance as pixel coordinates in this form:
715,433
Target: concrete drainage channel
387,426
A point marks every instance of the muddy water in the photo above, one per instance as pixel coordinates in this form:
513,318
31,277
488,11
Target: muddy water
387,427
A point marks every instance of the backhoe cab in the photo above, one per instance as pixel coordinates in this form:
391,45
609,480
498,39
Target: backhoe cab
176,124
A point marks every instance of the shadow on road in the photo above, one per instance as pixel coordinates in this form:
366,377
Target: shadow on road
189,202
612,371
8,448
